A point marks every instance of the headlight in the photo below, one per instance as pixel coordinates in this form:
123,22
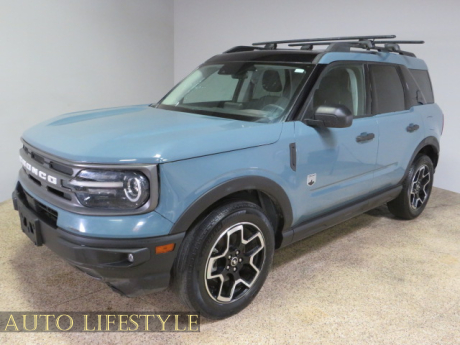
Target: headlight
111,189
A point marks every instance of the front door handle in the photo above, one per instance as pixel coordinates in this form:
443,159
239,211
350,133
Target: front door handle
412,127
363,137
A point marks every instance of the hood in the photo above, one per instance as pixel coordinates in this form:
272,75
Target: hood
142,134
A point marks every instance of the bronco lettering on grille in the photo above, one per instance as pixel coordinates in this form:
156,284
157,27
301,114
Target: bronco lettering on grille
39,173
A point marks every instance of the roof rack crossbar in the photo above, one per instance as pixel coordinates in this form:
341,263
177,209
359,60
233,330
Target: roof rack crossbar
399,42
318,43
345,38
355,42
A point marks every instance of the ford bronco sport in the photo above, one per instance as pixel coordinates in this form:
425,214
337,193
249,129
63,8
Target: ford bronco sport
257,148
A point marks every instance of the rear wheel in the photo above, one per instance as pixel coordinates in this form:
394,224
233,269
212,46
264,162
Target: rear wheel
416,190
224,260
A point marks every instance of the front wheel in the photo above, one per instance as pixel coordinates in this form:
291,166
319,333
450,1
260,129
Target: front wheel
224,260
416,190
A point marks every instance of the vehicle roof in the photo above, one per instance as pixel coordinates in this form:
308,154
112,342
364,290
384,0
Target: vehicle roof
315,57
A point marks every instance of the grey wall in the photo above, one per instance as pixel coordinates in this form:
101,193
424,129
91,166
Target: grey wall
207,27
63,56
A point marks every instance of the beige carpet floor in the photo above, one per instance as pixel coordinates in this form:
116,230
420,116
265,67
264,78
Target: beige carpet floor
371,280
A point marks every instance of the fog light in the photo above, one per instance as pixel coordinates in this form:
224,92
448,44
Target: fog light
131,258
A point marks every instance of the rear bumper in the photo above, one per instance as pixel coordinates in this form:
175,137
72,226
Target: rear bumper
130,266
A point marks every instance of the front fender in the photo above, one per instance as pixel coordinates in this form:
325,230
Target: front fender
222,190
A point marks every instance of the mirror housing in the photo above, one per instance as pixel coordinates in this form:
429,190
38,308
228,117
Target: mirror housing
336,116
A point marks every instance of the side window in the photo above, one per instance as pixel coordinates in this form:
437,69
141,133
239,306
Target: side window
414,94
341,85
387,89
423,80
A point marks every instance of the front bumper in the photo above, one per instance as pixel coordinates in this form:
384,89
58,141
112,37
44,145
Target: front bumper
129,266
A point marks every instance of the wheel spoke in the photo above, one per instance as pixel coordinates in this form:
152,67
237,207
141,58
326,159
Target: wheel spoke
242,281
254,267
252,238
426,179
232,290
254,252
223,298
209,273
213,259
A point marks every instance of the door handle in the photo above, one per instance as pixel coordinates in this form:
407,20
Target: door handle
412,127
365,137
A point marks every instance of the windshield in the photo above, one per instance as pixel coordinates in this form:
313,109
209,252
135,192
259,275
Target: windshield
247,91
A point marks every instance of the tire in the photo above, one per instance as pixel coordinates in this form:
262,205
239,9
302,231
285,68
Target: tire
235,241
416,190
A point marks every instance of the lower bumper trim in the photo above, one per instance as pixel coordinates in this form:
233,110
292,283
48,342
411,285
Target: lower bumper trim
129,266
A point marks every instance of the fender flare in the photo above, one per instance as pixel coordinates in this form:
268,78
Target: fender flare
428,141
263,184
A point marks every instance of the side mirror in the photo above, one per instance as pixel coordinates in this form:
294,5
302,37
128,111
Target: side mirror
336,116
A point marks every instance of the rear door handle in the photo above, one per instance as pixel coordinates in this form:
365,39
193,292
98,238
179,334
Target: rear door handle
365,137
412,127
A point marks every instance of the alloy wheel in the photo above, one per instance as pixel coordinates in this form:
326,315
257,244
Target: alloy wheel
419,190
234,262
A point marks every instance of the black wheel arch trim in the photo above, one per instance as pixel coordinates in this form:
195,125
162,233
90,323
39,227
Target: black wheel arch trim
259,183
428,141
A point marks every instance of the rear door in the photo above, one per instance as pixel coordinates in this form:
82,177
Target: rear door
336,165
394,106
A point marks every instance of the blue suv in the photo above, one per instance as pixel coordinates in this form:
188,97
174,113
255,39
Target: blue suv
259,147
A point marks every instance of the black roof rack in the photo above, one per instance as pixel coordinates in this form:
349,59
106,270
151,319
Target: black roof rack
344,38
344,44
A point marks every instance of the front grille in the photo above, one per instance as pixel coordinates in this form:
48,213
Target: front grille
38,158
39,167
61,168
48,162
59,193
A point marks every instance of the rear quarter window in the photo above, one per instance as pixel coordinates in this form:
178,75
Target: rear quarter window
423,80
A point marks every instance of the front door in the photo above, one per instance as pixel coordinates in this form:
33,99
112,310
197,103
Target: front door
336,165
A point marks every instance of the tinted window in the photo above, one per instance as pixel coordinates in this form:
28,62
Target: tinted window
423,80
414,94
341,85
387,89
